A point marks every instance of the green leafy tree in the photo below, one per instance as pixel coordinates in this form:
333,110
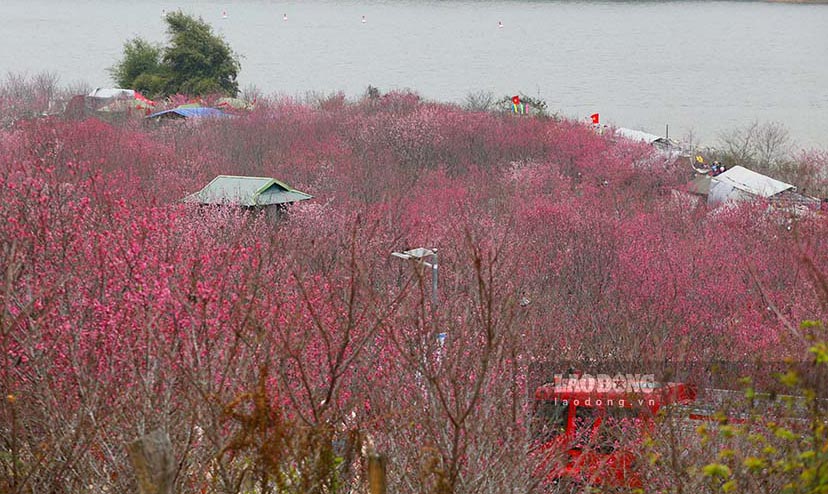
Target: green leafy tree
141,68
196,62
199,62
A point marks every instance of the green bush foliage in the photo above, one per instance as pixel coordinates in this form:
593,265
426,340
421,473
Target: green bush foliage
196,62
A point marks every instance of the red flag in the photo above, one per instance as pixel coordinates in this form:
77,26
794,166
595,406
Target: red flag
594,118
516,100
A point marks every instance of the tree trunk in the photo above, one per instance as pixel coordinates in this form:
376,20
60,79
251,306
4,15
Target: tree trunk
153,462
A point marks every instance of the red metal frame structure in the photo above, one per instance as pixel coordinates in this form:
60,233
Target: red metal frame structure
587,430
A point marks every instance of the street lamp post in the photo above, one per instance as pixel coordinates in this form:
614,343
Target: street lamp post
420,254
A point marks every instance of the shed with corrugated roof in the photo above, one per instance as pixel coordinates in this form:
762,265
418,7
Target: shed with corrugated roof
248,192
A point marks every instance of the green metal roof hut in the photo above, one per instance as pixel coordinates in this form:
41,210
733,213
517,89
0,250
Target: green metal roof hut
257,193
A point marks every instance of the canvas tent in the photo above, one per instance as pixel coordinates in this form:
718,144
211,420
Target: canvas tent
700,185
248,192
127,105
108,101
108,95
638,135
664,145
112,93
740,184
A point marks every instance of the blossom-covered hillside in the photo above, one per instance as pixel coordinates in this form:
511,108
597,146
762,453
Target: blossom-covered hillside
273,352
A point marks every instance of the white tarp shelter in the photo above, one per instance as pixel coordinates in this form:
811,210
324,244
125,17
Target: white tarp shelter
664,145
640,135
741,184
112,92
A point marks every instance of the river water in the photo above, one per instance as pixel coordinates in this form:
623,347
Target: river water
701,67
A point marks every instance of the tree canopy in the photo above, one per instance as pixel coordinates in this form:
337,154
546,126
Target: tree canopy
196,62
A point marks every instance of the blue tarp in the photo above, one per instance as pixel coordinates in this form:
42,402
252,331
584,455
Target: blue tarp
190,113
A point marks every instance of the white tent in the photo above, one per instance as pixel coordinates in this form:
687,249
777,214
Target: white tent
638,135
664,145
112,92
741,184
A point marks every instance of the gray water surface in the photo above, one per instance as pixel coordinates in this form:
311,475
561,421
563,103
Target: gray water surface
703,67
